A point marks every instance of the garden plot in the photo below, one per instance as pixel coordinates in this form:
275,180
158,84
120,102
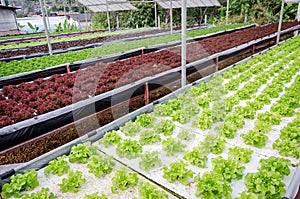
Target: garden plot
81,176
236,136
244,114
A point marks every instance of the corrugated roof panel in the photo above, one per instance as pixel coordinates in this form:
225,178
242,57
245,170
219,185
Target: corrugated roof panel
176,4
207,3
113,5
292,1
190,3
216,2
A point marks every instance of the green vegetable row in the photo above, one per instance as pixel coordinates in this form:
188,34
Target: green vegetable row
101,166
203,106
15,67
83,36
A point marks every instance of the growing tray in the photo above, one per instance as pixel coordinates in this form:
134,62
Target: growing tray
96,135
30,128
74,45
60,69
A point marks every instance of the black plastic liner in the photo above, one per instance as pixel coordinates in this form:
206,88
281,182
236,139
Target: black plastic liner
60,69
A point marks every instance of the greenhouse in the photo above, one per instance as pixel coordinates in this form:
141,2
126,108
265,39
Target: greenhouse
151,99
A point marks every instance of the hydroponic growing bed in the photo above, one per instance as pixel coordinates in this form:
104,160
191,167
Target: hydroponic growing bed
26,132
13,51
235,136
38,63
238,132
95,176
15,67
34,98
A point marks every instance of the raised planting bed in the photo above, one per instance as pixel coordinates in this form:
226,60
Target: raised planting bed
36,126
239,132
38,36
87,34
61,46
84,37
25,65
60,69
198,141
99,177
36,147
23,42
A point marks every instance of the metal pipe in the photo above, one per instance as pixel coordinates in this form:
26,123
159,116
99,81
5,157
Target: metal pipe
171,16
46,28
280,22
85,16
298,19
298,12
227,12
65,12
183,44
217,64
158,22
155,13
48,23
146,94
107,15
118,22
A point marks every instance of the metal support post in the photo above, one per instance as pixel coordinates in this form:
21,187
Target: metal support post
68,68
227,11
253,49
183,43
85,16
146,96
107,15
171,16
48,23
217,64
46,28
280,22
65,12
155,13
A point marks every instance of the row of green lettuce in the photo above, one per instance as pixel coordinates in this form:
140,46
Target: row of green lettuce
77,37
25,65
42,34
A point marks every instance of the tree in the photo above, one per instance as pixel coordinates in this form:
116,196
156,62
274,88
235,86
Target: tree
143,16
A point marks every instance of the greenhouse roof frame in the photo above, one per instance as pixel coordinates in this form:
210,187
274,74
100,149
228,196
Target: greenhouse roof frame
292,1
166,4
107,5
